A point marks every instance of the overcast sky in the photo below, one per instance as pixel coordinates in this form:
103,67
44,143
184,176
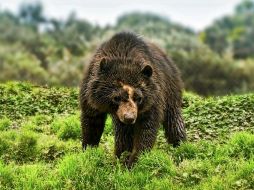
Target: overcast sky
194,13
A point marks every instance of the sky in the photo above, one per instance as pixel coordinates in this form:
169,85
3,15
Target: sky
196,14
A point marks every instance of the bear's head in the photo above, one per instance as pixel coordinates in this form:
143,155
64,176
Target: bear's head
124,87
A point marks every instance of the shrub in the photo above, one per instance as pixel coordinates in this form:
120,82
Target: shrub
18,146
67,128
5,124
241,145
33,100
51,148
156,162
218,117
88,170
6,177
186,151
35,176
20,65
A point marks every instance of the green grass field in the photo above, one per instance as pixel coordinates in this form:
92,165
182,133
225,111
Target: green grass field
40,145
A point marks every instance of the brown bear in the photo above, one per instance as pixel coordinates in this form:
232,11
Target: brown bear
140,87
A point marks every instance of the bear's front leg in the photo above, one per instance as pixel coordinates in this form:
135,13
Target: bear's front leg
144,139
123,138
92,127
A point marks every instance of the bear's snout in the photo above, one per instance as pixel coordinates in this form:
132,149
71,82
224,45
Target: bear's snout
127,112
129,118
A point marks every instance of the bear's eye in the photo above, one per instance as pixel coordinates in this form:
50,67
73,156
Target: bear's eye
117,99
138,100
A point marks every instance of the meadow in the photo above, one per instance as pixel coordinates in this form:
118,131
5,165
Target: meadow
40,145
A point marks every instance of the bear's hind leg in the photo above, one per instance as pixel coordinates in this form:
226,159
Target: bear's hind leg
174,126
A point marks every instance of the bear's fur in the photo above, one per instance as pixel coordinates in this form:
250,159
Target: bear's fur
140,87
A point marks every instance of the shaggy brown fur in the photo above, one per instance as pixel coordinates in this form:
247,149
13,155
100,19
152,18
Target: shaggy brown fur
140,87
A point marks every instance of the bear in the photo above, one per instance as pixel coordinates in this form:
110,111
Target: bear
140,87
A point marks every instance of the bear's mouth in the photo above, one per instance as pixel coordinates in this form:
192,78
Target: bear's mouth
127,113
128,119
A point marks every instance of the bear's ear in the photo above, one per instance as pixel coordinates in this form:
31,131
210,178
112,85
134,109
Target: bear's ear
147,71
105,66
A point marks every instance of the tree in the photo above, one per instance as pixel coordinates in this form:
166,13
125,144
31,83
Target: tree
246,6
233,32
32,14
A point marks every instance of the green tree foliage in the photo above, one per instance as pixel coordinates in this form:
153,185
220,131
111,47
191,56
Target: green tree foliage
23,30
233,32
72,34
207,73
32,15
49,51
245,7
203,70
150,25
18,64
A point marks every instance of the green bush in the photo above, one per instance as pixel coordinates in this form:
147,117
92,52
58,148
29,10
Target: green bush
215,117
84,170
20,65
7,179
18,146
67,127
190,98
244,177
50,148
35,176
25,148
43,151
37,123
33,100
156,162
206,73
41,119
241,145
193,172
205,118
29,125
186,151
5,124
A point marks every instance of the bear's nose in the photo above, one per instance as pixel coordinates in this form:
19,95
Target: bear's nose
129,118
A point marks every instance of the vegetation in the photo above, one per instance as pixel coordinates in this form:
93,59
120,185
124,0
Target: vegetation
41,149
42,50
40,133
233,32
20,99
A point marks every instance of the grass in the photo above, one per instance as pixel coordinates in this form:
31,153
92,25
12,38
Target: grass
40,146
